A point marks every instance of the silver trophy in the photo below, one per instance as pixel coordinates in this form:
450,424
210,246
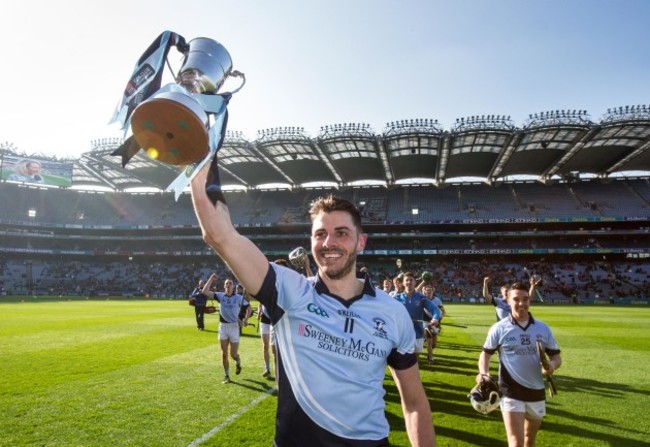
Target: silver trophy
182,122
172,125
298,257
206,66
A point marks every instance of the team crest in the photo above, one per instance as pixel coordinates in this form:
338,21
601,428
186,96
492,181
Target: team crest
379,328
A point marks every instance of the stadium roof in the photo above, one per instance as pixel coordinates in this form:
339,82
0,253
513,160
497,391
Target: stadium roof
560,144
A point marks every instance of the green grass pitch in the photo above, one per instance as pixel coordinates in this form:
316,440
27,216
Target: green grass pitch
126,372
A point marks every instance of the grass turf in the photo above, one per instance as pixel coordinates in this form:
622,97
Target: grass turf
137,372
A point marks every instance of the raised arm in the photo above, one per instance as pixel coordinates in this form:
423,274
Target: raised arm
243,258
486,290
208,286
533,285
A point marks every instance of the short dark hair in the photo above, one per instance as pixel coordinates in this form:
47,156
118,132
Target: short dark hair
517,286
332,203
282,262
409,274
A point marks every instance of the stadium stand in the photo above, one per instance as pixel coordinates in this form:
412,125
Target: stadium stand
149,245
558,196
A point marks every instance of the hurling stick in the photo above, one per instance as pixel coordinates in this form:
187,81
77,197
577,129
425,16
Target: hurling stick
543,358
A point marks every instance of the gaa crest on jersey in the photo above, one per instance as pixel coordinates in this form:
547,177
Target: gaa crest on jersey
313,308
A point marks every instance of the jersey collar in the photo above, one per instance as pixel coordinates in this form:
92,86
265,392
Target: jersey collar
531,320
368,289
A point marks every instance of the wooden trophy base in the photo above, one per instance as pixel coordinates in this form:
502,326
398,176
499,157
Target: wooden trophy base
171,128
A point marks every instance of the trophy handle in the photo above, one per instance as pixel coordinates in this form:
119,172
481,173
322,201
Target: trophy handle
238,74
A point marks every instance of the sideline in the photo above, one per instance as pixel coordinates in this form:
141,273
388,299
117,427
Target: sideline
227,422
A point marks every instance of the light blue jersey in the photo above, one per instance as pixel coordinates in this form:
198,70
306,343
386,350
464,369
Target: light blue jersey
229,306
324,343
520,374
501,307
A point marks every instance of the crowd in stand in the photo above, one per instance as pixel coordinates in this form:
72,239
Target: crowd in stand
456,280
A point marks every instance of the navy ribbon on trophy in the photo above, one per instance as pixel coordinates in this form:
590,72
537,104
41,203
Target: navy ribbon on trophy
181,123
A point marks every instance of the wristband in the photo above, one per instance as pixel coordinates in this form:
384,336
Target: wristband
213,184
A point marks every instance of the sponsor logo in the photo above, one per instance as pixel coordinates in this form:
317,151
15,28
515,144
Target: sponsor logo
142,75
352,347
311,307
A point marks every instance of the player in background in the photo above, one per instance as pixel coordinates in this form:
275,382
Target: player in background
427,279
431,329
398,285
416,304
500,303
246,309
200,301
229,323
264,324
521,376
387,285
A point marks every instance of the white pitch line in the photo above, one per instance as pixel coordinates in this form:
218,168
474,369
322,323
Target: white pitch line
228,421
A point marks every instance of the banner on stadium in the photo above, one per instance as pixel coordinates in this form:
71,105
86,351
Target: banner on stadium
35,171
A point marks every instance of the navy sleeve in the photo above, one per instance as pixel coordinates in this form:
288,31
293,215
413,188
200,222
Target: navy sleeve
268,295
401,361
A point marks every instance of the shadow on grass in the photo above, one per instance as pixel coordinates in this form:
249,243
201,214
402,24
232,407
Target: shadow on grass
459,347
245,335
576,431
252,384
595,387
451,400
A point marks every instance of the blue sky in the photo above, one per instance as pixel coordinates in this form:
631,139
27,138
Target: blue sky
312,63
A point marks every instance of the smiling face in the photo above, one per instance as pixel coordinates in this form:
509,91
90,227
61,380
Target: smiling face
519,302
335,241
409,284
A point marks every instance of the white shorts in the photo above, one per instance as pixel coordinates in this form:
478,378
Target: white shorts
419,345
229,331
533,410
265,328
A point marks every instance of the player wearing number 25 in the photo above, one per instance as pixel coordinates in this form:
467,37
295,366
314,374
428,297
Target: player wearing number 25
335,333
521,376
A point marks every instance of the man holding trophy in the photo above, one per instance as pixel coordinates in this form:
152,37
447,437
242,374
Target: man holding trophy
336,332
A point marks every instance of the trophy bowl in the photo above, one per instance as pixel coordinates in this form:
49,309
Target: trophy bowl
171,127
